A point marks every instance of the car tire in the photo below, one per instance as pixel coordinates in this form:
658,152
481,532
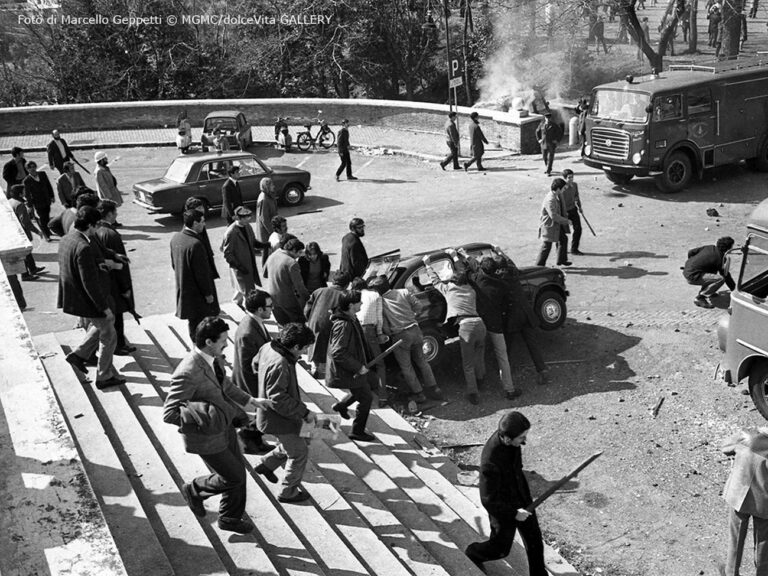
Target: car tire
677,173
327,140
293,195
303,141
758,387
621,179
551,309
434,345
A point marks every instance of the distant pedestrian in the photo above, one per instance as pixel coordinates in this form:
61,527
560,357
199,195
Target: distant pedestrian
582,109
548,135
318,310
348,354
685,21
476,143
231,194
354,258
83,294
343,148
183,132
452,140
315,267
553,225
746,492
753,10
239,248
14,171
68,184
713,27
194,203
284,283
266,209
572,202
744,36
599,31
106,184
708,267
504,493
38,194
19,208
284,413
58,152
220,140
195,290
646,30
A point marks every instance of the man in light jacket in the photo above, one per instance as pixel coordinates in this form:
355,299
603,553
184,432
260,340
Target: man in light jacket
284,283
553,225
239,247
452,140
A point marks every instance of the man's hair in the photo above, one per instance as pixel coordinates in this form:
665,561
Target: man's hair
340,278
17,191
191,217
256,299
277,222
725,243
355,222
68,164
474,115
284,240
358,284
86,216
86,199
488,265
292,245
314,248
558,184
567,172
31,164
107,206
348,297
233,170
451,114
210,328
512,424
459,277
380,284
192,203
15,151
296,334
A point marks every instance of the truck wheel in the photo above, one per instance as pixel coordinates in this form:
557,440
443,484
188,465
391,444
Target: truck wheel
551,309
758,387
677,173
760,162
618,178
434,345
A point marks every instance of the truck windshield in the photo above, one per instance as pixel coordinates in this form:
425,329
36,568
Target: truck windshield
620,105
754,268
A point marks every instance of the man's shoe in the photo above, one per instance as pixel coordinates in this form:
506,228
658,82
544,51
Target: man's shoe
337,179
194,502
38,269
236,525
26,277
420,398
512,394
434,393
300,496
341,409
109,383
542,378
473,398
442,167
703,302
466,167
77,362
577,252
351,178
93,360
267,473
251,446
362,436
566,263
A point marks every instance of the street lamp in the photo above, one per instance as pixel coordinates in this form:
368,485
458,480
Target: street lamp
431,26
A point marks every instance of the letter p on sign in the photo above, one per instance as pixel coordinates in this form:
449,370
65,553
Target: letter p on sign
454,67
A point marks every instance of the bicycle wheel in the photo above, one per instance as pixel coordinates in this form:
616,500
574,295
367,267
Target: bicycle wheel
327,139
303,141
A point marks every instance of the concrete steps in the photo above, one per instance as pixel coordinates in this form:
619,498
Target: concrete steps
387,508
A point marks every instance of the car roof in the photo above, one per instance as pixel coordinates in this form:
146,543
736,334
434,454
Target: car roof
207,156
416,258
222,113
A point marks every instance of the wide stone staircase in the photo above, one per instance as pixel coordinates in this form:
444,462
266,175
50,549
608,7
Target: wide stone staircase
391,508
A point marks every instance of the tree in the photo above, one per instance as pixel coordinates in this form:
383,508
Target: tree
731,26
674,11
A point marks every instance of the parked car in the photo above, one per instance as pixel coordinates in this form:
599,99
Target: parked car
202,175
233,126
545,288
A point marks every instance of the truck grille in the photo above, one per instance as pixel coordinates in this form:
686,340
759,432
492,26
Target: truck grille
610,143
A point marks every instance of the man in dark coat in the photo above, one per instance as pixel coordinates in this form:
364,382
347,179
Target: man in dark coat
38,193
231,196
194,203
707,266
284,283
477,141
68,184
120,278
58,152
14,171
452,140
318,312
195,290
504,493
250,336
83,294
354,258
548,135
343,147
239,247
19,208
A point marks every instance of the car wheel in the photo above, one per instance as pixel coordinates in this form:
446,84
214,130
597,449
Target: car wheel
677,173
434,345
303,141
758,387
551,309
327,140
293,194
618,178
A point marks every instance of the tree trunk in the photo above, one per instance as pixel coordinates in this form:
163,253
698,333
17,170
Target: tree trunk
465,52
672,14
731,28
693,33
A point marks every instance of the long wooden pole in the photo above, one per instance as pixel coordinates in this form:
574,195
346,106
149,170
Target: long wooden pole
560,483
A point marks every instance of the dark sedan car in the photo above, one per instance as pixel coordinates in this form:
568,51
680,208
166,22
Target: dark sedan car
202,175
545,288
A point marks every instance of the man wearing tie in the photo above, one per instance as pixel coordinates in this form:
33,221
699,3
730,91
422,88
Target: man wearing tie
231,196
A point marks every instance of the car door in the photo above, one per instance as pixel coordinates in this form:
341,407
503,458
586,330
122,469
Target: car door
251,174
210,179
431,301
668,126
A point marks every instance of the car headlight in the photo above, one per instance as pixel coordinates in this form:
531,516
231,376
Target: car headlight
636,157
587,150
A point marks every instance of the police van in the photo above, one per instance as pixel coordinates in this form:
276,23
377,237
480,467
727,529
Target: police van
676,124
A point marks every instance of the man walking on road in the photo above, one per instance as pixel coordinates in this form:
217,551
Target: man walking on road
195,291
572,203
553,226
343,147
82,294
58,152
38,193
239,247
106,184
452,140
548,135
477,141
231,196
707,266
354,258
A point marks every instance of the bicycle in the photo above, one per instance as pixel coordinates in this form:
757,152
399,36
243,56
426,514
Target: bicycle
325,136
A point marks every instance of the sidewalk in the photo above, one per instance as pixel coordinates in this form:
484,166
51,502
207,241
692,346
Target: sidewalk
424,145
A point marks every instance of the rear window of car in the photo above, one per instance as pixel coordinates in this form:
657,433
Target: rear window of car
225,124
177,172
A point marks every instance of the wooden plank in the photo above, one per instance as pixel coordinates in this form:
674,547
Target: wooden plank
186,543
132,531
276,538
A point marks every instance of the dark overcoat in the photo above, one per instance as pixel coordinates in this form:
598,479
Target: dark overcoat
194,280
348,351
82,292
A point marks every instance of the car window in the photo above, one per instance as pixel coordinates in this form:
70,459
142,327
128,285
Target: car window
483,252
667,107
249,167
699,100
241,120
214,170
177,172
420,280
225,124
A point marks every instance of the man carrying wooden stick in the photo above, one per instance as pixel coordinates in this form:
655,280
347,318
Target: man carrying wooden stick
505,495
